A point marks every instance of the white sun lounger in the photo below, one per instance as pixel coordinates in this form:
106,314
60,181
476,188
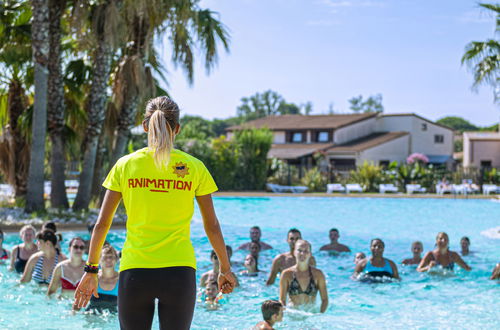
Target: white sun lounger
490,188
276,188
387,187
440,190
356,187
334,187
415,188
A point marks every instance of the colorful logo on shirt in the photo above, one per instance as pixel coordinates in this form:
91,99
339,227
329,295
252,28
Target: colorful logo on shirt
181,169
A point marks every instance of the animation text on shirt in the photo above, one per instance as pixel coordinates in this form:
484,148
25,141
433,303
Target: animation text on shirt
160,185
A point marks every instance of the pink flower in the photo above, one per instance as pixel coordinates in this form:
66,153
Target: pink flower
417,157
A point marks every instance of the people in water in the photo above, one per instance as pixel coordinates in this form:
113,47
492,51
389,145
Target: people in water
441,256
41,264
255,234
68,273
254,250
334,245
465,245
211,292
376,266
52,226
358,257
214,272
107,288
4,254
302,281
287,259
416,248
251,266
495,274
272,313
22,252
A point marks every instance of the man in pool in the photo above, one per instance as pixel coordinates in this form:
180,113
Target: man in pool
465,245
287,259
255,234
334,245
416,248
272,312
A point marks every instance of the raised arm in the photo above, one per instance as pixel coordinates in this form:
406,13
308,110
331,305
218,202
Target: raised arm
322,290
88,284
227,280
459,261
13,257
275,269
55,282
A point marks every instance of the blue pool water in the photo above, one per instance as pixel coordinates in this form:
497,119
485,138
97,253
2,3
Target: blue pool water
467,300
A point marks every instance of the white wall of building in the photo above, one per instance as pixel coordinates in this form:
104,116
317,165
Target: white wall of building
394,150
279,137
354,131
421,140
481,150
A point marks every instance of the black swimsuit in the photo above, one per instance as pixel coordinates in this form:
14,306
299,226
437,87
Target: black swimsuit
19,264
295,289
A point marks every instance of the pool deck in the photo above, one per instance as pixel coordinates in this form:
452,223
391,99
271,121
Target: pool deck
120,225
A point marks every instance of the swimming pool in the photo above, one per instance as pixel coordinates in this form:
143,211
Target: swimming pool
467,300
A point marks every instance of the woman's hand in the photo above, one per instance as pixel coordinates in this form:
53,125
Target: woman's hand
85,290
227,282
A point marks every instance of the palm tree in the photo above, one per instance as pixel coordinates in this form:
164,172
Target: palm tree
483,57
40,44
56,107
188,26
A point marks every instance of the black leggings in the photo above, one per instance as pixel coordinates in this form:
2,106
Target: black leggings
175,289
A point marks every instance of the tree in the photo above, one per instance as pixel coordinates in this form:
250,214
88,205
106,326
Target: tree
457,123
40,44
268,103
483,57
371,104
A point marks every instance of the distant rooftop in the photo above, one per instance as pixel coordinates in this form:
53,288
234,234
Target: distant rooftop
482,135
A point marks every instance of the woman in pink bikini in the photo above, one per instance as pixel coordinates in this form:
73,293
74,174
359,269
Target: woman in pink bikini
68,273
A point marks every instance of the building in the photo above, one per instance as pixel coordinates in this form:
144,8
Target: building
481,149
347,140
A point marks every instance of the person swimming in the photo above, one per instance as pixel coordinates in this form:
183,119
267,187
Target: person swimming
68,273
287,259
255,234
376,267
359,257
441,256
302,274
251,266
416,248
465,245
108,281
334,245
272,313
4,253
42,263
22,252
215,268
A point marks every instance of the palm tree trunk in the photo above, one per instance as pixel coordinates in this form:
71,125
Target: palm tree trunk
97,181
125,123
40,45
56,108
96,115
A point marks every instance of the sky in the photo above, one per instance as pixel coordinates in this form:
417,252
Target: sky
328,51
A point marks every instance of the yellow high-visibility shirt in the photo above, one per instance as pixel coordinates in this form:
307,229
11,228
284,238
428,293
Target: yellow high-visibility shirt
160,205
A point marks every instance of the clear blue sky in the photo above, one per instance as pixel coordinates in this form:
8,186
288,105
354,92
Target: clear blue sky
327,51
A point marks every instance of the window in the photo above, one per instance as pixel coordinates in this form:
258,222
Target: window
323,137
424,127
297,137
438,138
486,163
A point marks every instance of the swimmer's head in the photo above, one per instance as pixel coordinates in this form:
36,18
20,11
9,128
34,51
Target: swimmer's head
377,246
50,225
334,234
76,246
255,234
272,311
109,257
465,242
254,249
161,122
214,258
442,240
302,251
417,247
250,263
27,233
229,251
293,236
358,257
211,290
46,239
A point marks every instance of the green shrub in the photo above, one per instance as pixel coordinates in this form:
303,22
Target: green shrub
315,180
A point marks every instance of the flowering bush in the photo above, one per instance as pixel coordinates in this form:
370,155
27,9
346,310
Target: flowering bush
417,157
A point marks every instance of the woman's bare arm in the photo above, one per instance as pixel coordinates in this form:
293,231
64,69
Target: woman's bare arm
459,261
55,282
395,272
284,284
322,290
28,270
425,263
13,257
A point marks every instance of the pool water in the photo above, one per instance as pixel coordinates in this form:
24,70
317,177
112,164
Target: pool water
466,300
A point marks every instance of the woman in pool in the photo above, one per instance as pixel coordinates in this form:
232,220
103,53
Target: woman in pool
4,254
441,256
251,266
158,185
376,266
300,276
108,281
68,273
22,252
41,264
416,247
465,245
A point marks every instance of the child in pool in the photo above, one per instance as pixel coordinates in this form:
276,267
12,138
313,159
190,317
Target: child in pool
213,299
272,312
358,257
